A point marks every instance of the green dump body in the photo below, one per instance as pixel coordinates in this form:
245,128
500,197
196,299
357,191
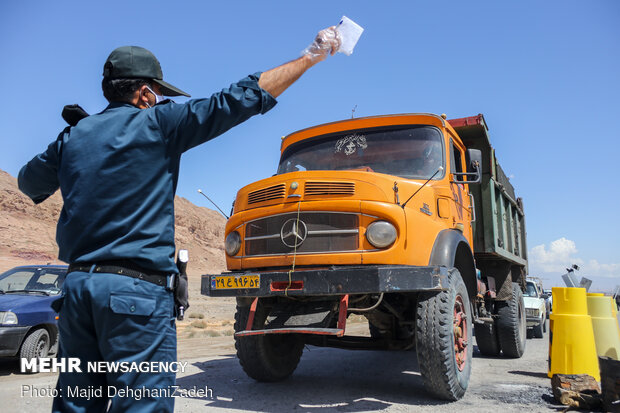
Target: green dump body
499,230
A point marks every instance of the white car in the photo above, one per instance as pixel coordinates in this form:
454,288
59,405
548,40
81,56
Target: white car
535,310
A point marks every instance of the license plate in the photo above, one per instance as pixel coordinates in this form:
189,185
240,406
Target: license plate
229,282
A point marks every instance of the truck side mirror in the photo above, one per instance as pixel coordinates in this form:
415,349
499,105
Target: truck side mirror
474,168
474,158
474,165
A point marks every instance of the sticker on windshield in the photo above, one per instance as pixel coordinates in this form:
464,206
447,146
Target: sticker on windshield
349,144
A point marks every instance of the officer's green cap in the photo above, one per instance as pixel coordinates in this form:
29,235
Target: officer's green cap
130,62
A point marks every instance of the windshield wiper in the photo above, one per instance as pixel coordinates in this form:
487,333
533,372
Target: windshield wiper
2,291
28,291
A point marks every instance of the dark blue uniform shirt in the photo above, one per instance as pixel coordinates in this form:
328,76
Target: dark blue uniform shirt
118,171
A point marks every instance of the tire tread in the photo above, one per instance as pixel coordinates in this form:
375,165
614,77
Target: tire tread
434,341
254,353
29,346
512,344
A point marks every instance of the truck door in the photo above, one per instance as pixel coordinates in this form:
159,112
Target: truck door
458,187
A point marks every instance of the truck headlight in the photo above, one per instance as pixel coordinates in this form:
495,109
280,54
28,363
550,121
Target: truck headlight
8,318
232,243
381,234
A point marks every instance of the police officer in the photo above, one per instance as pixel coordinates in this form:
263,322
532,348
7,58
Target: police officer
117,172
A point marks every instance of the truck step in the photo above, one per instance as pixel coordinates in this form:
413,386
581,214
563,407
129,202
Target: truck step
319,317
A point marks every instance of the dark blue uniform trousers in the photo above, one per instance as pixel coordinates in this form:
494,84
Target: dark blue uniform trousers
115,318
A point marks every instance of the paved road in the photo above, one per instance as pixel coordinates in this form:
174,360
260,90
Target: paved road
359,381
328,380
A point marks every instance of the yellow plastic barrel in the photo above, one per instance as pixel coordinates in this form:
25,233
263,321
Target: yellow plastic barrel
572,347
605,326
614,310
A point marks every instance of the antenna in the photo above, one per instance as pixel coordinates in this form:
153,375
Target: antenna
353,111
427,181
222,212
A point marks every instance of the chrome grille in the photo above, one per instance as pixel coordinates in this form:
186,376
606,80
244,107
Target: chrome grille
329,188
324,232
266,194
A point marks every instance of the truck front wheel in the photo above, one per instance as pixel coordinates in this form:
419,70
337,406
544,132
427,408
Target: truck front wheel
267,357
443,339
511,324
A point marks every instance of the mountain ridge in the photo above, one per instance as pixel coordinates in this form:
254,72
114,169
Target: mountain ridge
28,231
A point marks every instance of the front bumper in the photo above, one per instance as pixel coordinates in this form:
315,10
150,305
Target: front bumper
334,280
11,339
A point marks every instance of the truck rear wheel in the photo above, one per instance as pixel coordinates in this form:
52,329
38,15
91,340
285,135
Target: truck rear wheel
487,340
443,339
267,357
511,324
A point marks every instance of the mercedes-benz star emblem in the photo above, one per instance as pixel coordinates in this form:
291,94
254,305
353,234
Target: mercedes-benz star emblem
293,232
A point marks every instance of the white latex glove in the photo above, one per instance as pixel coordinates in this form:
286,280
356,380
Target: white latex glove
327,41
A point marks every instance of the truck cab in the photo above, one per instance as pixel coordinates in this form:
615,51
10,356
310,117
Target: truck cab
373,216
345,176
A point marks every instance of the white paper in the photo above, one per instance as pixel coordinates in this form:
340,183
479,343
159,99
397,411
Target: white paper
350,33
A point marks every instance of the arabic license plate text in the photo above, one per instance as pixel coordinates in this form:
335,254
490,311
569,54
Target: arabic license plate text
228,282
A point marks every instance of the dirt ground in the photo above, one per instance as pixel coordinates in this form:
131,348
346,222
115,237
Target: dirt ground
206,316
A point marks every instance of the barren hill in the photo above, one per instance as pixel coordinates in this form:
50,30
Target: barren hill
28,231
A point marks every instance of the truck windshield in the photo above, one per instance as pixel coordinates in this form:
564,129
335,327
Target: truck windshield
412,152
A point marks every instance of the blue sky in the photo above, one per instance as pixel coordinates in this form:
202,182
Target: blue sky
545,75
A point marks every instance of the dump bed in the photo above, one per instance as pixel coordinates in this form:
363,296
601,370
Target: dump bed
499,230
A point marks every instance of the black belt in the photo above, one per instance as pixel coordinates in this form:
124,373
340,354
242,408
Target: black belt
122,267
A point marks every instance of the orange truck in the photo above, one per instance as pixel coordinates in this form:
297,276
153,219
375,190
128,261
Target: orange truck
407,220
